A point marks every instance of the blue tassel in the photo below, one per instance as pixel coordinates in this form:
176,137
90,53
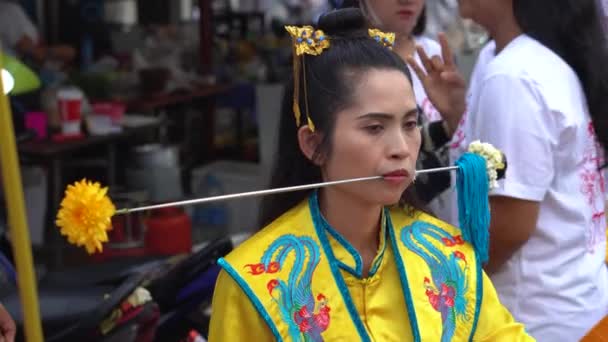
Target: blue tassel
473,204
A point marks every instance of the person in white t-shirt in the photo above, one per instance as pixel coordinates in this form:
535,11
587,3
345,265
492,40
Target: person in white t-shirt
407,19
19,37
539,94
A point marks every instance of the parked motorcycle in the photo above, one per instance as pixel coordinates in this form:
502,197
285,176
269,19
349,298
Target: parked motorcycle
138,300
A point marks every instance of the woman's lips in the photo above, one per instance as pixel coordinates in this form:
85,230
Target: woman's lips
406,14
396,177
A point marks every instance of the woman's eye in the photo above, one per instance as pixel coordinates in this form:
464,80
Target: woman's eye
410,125
374,129
377,128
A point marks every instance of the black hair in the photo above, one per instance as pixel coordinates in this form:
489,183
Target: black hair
420,24
330,83
574,31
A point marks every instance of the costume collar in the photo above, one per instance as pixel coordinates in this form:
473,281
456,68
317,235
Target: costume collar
346,255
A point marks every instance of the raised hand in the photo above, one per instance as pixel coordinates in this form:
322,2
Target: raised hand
443,83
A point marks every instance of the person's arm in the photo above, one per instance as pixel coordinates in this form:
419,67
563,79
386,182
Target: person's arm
18,32
26,46
511,116
443,84
513,222
495,322
233,316
22,36
7,326
40,53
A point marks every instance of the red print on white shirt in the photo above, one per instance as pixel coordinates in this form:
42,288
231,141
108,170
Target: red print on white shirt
593,188
458,139
431,113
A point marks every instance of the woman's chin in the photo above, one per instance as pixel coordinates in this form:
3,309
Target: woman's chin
389,199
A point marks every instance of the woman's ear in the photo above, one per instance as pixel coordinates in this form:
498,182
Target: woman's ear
309,142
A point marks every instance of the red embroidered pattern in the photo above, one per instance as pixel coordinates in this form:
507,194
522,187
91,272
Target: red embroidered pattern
458,139
592,186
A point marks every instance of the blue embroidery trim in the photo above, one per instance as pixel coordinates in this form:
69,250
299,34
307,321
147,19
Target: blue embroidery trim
249,293
376,265
404,282
347,268
479,296
358,271
318,223
380,257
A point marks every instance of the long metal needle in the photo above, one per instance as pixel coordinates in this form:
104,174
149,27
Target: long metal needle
267,192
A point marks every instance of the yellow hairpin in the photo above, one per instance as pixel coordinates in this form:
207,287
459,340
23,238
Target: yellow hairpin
306,41
384,38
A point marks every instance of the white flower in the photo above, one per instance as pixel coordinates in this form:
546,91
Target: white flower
493,158
139,297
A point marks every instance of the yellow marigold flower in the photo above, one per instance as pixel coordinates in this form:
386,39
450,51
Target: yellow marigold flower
85,215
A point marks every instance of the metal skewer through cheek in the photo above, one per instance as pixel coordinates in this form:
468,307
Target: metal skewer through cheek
268,192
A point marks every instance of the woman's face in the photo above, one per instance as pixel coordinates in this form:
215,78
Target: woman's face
484,12
378,135
399,16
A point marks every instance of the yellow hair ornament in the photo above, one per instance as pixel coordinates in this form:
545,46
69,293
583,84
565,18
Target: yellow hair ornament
306,41
386,39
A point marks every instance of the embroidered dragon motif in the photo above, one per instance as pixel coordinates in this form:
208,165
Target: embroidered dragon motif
307,316
449,282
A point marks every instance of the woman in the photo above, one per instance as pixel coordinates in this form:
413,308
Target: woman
538,95
408,20
331,264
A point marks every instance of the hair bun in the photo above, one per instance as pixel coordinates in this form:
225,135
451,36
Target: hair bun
342,21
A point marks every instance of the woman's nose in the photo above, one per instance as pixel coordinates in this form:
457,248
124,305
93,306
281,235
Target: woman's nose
398,146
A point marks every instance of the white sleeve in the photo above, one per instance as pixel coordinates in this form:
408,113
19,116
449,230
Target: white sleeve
430,46
512,116
16,24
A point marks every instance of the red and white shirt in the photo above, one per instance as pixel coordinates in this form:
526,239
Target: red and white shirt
530,104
